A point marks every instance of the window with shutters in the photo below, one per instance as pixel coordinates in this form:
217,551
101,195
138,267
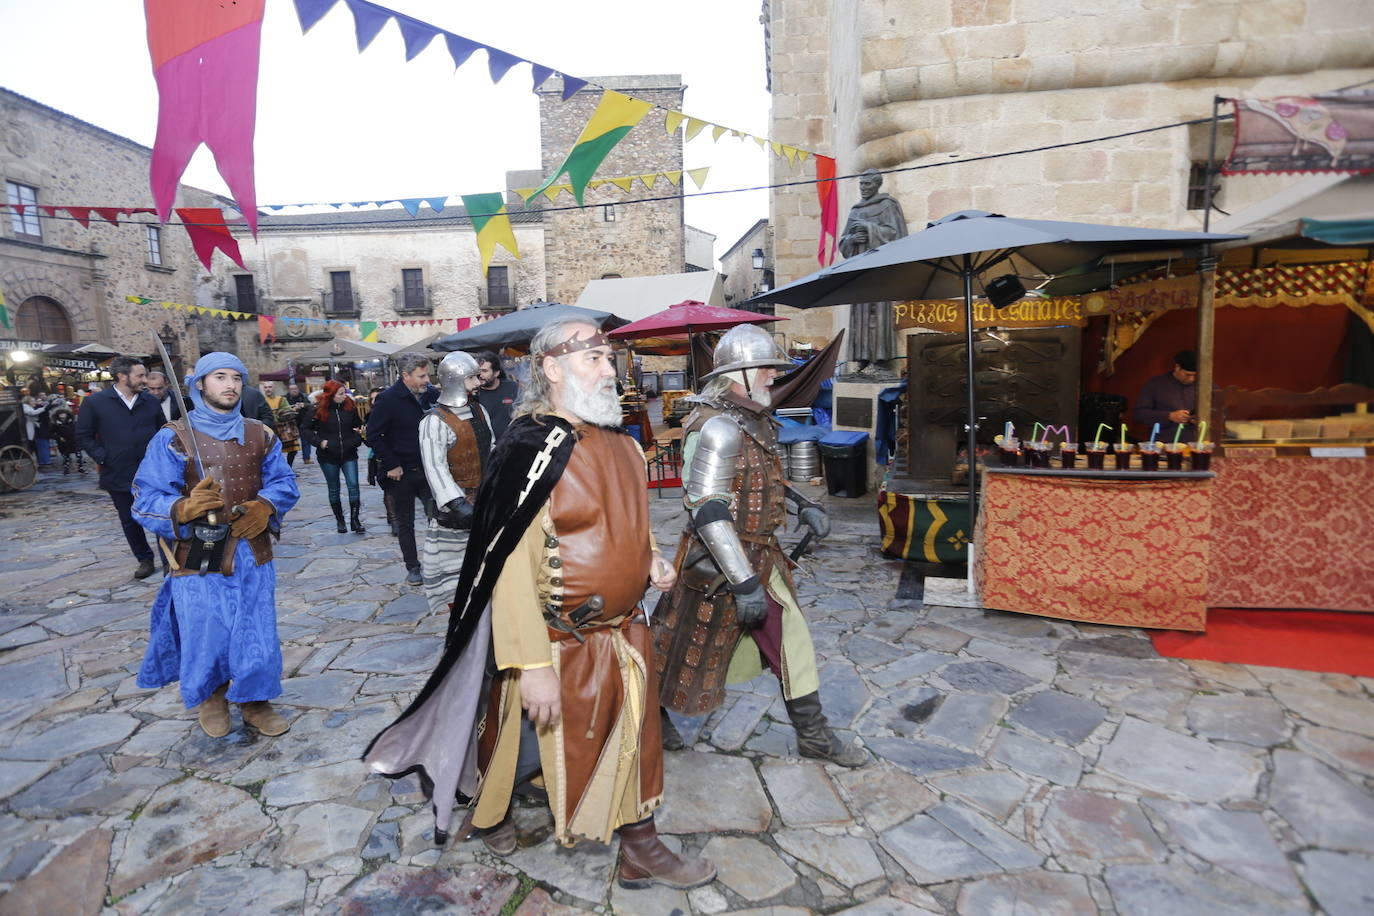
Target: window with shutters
413,288
498,287
341,301
245,293
153,243
23,221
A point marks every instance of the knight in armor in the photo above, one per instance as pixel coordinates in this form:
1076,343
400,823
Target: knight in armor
455,442
214,620
558,561
734,607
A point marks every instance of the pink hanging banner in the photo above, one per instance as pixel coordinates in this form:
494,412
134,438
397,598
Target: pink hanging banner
205,61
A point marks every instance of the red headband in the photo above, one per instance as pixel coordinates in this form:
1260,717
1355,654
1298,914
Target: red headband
573,345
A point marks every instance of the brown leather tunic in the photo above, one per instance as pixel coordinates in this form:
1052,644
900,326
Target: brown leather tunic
238,471
464,457
601,523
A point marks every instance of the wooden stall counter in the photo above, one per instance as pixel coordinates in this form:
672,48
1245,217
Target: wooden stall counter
1129,548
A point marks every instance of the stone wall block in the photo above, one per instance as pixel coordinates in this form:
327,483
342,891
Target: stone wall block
1075,165
966,13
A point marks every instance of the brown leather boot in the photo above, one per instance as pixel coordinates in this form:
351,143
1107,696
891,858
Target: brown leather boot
814,737
261,715
214,713
644,860
500,840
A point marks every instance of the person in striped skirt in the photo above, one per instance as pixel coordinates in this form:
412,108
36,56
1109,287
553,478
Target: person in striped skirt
455,442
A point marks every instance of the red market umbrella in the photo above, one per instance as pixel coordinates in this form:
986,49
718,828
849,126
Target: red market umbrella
688,318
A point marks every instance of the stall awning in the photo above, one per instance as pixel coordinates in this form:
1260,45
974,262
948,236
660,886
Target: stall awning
633,298
342,350
1338,231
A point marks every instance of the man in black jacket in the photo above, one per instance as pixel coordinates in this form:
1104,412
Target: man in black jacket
393,432
253,405
114,427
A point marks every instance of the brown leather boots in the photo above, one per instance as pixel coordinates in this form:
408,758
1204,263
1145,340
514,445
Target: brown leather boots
214,715
644,860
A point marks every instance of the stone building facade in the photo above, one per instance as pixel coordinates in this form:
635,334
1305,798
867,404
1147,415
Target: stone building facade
892,83
742,278
373,265
66,282
605,239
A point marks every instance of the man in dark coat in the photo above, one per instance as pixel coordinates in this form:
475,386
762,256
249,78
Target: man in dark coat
255,407
114,427
393,432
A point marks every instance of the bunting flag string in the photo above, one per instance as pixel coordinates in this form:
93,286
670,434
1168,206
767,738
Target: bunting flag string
623,182
267,324
674,121
369,19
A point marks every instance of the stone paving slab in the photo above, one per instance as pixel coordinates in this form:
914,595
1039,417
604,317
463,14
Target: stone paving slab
1020,761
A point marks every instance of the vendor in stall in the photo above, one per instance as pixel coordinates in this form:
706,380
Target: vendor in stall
1170,399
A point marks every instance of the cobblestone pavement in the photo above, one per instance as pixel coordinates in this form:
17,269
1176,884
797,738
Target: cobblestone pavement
1026,765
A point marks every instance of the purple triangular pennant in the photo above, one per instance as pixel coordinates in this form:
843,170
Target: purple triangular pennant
412,205
436,203
540,74
500,63
312,11
570,86
417,34
459,48
368,20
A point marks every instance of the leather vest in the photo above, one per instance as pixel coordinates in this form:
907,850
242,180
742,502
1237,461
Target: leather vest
600,541
464,455
238,471
760,496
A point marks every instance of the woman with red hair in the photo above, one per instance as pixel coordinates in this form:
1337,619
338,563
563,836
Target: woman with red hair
334,428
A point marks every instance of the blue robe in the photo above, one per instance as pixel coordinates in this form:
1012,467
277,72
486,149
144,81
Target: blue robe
210,629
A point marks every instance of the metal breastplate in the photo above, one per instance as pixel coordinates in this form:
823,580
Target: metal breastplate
760,507
464,456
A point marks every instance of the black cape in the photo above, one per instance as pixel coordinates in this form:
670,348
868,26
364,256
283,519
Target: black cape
526,463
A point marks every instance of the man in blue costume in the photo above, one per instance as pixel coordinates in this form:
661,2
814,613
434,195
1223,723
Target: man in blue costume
214,621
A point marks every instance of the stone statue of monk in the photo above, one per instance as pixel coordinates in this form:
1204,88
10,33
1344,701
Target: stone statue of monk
875,220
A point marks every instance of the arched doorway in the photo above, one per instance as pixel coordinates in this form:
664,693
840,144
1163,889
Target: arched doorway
41,318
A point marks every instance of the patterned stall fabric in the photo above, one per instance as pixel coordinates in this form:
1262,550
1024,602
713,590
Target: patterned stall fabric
1129,553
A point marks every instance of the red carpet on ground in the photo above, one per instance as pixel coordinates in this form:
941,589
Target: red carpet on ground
1330,641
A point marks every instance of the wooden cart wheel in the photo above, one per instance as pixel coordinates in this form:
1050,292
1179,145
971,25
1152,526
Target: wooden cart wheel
18,468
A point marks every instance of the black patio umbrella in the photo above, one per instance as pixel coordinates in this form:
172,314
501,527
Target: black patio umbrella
947,258
517,328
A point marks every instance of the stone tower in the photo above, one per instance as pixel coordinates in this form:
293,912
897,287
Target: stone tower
610,237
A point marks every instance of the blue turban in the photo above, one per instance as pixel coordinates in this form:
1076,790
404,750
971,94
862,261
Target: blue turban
206,419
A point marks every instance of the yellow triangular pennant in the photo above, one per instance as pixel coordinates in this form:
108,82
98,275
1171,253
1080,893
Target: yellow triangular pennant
791,153
648,180
595,183
673,122
740,134
699,175
776,146
694,127
803,155
623,184
674,178
763,144
718,131
554,190
526,193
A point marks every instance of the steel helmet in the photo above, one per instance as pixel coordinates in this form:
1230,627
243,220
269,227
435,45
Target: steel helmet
746,346
454,370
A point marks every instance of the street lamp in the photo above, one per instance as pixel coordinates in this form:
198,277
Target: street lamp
758,258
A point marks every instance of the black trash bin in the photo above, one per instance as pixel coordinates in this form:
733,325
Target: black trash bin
845,457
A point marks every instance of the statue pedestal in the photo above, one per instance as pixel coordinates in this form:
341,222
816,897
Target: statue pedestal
856,410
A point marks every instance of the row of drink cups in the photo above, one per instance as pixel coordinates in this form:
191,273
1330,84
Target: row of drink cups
1037,455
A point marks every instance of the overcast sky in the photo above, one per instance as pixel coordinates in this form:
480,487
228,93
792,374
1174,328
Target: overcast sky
334,124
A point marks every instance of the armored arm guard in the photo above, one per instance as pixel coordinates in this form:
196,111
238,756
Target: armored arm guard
708,495
435,441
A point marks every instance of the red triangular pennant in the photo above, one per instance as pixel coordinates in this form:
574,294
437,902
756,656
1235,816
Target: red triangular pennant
81,214
205,226
110,214
51,211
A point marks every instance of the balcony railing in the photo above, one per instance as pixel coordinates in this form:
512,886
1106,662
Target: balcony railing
503,301
338,305
406,302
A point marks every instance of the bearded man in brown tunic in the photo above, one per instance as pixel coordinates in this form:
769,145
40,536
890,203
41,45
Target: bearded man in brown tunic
559,558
